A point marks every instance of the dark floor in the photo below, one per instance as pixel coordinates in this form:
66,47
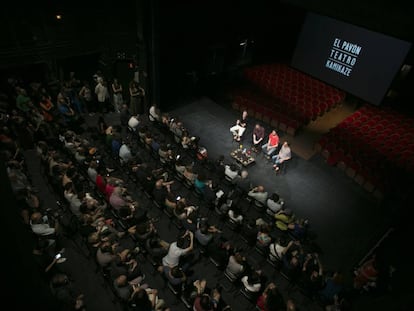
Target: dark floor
346,220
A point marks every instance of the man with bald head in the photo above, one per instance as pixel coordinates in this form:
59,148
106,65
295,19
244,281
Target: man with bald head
259,194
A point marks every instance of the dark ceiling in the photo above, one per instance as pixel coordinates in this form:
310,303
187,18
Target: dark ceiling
184,22
394,18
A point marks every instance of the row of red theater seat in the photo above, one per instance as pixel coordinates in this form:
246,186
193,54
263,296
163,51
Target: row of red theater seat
373,153
308,97
268,110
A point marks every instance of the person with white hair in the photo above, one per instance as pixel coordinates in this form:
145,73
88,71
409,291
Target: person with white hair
125,154
154,114
242,182
133,122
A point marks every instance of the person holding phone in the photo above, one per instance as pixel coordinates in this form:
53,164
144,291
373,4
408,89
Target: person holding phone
177,249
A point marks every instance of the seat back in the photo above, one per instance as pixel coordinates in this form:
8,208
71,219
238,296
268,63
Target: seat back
251,296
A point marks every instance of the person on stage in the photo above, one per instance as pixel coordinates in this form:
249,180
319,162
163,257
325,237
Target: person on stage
240,127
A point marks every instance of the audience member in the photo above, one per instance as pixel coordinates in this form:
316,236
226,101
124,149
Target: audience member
236,265
258,194
204,234
243,182
279,248
178,249
333,286
271,299
117,95
274,204
125,154
263,236
283,218
124,115
312,275
252,282
231,171
366,275
235,215
133,122
154,114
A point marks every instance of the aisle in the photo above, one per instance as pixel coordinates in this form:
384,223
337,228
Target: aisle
304,140
80,268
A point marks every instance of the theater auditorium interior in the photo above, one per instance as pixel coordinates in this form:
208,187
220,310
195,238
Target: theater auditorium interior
125,199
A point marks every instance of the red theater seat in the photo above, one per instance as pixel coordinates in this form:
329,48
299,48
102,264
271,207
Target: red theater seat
352,168
321,143
336,156
329,149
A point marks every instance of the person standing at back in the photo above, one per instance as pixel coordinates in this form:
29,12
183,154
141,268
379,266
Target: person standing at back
102,95
136,102
117,95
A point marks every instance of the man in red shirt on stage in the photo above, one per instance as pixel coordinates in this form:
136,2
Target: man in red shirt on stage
270,147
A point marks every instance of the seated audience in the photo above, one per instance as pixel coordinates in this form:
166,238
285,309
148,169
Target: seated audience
252,282
146,299
157,248
333,286
189,174
283,218
279,248
242,182
366,275
236,265
178,249
41,225
231,171
204,233
258,194
133,122
263,236
274,204
235,215
154,114
312,275
271,299
125,154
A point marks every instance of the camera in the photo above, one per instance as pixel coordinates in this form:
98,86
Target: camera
58,255
178,198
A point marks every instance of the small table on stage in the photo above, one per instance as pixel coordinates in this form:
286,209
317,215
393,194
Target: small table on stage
242,156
